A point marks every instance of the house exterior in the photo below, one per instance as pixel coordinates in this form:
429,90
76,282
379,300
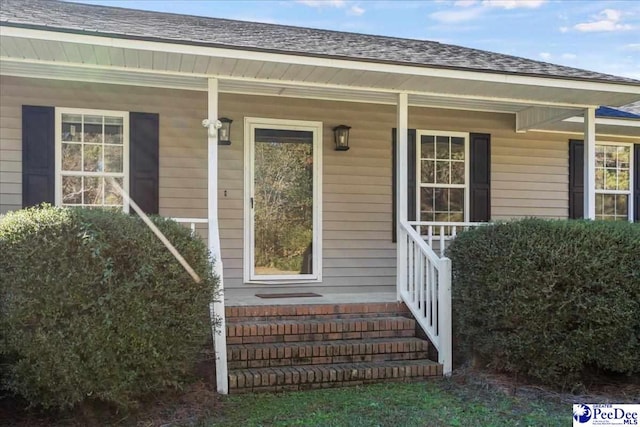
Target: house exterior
440,136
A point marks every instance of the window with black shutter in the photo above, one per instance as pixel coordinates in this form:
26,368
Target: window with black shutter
74,157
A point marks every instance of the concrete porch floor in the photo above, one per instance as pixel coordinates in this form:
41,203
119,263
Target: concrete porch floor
234,299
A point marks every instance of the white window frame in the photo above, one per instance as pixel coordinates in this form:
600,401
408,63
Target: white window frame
250,125
59,111
467,169
630,191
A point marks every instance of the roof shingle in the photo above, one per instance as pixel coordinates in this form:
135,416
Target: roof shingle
187,29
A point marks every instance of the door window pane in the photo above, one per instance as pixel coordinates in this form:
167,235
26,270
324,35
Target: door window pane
283,202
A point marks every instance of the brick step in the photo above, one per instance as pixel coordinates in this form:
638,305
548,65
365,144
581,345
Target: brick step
325,352
273,331
315,311
324,376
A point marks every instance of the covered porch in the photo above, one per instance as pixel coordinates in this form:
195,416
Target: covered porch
370,245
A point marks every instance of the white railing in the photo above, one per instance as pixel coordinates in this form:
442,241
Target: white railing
442,232
425,287
192,222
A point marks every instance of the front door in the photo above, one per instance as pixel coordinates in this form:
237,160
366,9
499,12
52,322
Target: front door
283,201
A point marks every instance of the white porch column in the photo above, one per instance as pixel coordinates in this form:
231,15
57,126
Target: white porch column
590,163
402,186
217,308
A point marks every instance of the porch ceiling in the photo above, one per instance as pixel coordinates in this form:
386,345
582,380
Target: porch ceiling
45,54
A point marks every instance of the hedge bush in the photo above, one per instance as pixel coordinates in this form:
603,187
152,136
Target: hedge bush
555,301
94,307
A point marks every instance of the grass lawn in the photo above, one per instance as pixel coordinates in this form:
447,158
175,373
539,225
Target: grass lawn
432,403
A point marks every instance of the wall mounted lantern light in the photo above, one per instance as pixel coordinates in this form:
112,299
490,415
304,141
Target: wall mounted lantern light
341,134
224,132
221,128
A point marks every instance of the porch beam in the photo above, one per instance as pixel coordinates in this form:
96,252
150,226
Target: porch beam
217,308
402,136
533,117
590,163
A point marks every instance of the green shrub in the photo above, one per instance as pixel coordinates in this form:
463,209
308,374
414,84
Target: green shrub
552,300
94,307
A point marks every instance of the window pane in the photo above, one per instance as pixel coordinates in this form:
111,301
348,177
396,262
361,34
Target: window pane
599,156
112,196
611,156
624,153
113,130
442,147
93,158
426,204
93,129
457,172
457,148
93,190
428,148
71,157
71,190
442,172
623,180
456,217
456,200
599,179
610,179
113,160
609,204
441,196
622,206
441,217
71,127
428,172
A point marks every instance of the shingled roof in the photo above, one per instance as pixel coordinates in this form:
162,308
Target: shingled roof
187,29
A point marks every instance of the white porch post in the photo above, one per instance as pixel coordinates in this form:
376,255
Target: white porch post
402,186
217,308
590,163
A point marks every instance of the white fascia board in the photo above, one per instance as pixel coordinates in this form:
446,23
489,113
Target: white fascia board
35,72
635,123
362,65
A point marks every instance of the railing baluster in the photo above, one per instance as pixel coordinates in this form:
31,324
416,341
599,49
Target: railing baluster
427,284
420,284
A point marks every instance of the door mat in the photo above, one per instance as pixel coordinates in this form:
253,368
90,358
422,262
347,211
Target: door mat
291,295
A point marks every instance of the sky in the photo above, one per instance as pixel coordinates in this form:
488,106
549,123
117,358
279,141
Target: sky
598,35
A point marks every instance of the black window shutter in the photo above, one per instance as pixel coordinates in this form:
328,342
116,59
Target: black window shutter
143,160
411,172
38,155
636,185
576,179
480,185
